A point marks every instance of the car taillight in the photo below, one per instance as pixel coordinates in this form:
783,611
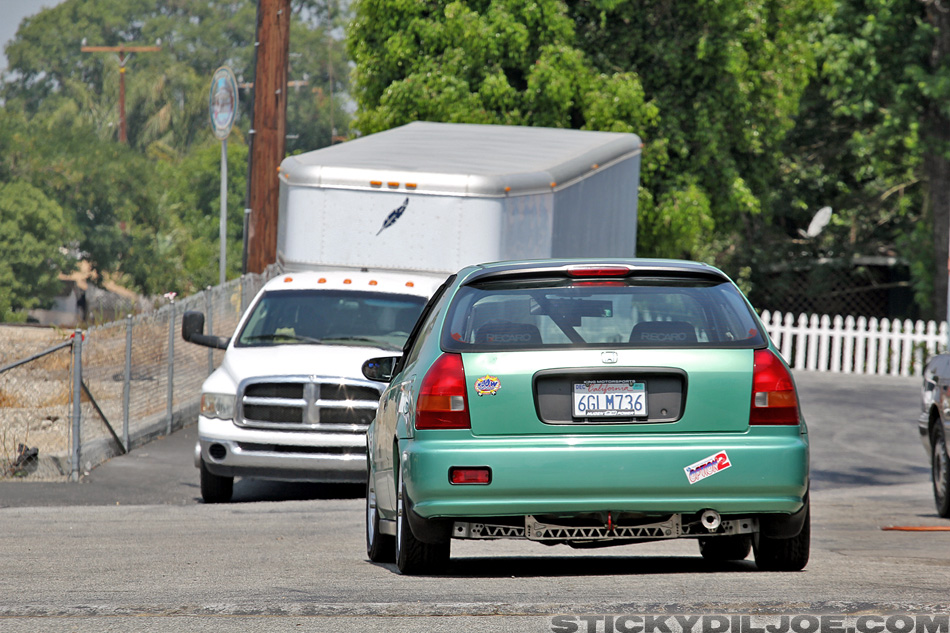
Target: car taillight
773,393
442,402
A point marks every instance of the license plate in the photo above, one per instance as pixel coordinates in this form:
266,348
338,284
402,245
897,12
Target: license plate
605,398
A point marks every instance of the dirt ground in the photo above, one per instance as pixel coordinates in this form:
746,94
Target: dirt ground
34,398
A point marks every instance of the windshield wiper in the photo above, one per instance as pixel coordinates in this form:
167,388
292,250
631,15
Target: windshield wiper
363,339
280,337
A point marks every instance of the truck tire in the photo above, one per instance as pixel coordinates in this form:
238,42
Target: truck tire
214,488
784,554
940,464
412,555
719,549
379,547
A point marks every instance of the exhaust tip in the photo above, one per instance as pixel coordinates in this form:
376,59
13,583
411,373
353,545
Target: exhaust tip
711,520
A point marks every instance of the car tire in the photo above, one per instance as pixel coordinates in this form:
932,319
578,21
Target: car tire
784,554
379,547
215,488
940,467
719,549
412,555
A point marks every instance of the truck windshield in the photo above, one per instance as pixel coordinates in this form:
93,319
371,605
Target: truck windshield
331,317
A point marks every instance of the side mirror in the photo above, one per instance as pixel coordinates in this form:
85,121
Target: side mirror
192,330
380,369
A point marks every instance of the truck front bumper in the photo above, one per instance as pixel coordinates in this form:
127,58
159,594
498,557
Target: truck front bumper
229,451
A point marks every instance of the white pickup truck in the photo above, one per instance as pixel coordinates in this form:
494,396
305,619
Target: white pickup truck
286,402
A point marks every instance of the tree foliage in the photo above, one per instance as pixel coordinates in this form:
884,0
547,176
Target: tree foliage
33,229
711,86
155,200
857,144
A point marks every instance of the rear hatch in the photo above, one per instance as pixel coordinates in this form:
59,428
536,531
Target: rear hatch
607,349
643,391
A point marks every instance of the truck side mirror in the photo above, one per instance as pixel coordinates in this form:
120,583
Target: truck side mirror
380,369
192,330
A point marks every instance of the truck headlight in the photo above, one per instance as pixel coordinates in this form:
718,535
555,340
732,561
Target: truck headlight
217,405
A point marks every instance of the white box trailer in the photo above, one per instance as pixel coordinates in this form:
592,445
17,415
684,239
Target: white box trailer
435,197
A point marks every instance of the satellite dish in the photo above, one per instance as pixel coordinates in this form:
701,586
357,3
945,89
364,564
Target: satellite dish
818,223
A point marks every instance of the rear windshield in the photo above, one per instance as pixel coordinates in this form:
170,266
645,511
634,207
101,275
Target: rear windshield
331,317
629,313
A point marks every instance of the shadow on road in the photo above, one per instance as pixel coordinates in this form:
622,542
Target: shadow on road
531,567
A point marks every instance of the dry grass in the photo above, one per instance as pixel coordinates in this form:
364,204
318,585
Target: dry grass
34,398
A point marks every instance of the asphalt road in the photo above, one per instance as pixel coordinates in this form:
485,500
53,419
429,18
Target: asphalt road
132,548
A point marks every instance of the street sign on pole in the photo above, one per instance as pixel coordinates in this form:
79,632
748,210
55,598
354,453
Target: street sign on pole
223,106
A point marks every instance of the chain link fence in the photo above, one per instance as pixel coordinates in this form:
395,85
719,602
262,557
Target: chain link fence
137,380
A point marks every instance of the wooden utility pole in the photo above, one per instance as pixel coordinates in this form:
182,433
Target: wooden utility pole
121,50
268,136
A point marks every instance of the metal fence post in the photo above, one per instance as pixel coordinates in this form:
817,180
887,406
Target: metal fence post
171,364
77,404
209,310
127,384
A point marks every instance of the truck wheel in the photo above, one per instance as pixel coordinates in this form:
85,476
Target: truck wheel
940,463
379,547
412,555
783,554
214,488
719,549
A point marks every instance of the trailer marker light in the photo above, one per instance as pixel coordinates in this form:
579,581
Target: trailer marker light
411,185
347,281
376,183
287,280
393,184
410,284
373,282
322,280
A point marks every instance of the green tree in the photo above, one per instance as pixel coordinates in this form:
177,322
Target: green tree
858,143
167,91
727,77
712,87
157,198
192,196
500,62
34,235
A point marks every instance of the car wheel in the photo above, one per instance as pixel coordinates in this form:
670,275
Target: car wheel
940,462
379,547
412,555
784,554
214,488
725,548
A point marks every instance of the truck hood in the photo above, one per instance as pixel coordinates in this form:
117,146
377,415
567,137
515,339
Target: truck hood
290,360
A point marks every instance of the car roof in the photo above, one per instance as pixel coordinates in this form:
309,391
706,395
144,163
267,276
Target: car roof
638,267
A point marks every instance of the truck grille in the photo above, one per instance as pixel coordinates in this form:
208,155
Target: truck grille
308,404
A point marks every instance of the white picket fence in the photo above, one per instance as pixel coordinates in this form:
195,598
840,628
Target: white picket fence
855,345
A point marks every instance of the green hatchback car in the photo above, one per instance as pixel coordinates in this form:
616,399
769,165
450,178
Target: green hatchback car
588,403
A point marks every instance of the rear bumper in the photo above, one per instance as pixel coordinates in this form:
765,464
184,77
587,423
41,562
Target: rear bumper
767,473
